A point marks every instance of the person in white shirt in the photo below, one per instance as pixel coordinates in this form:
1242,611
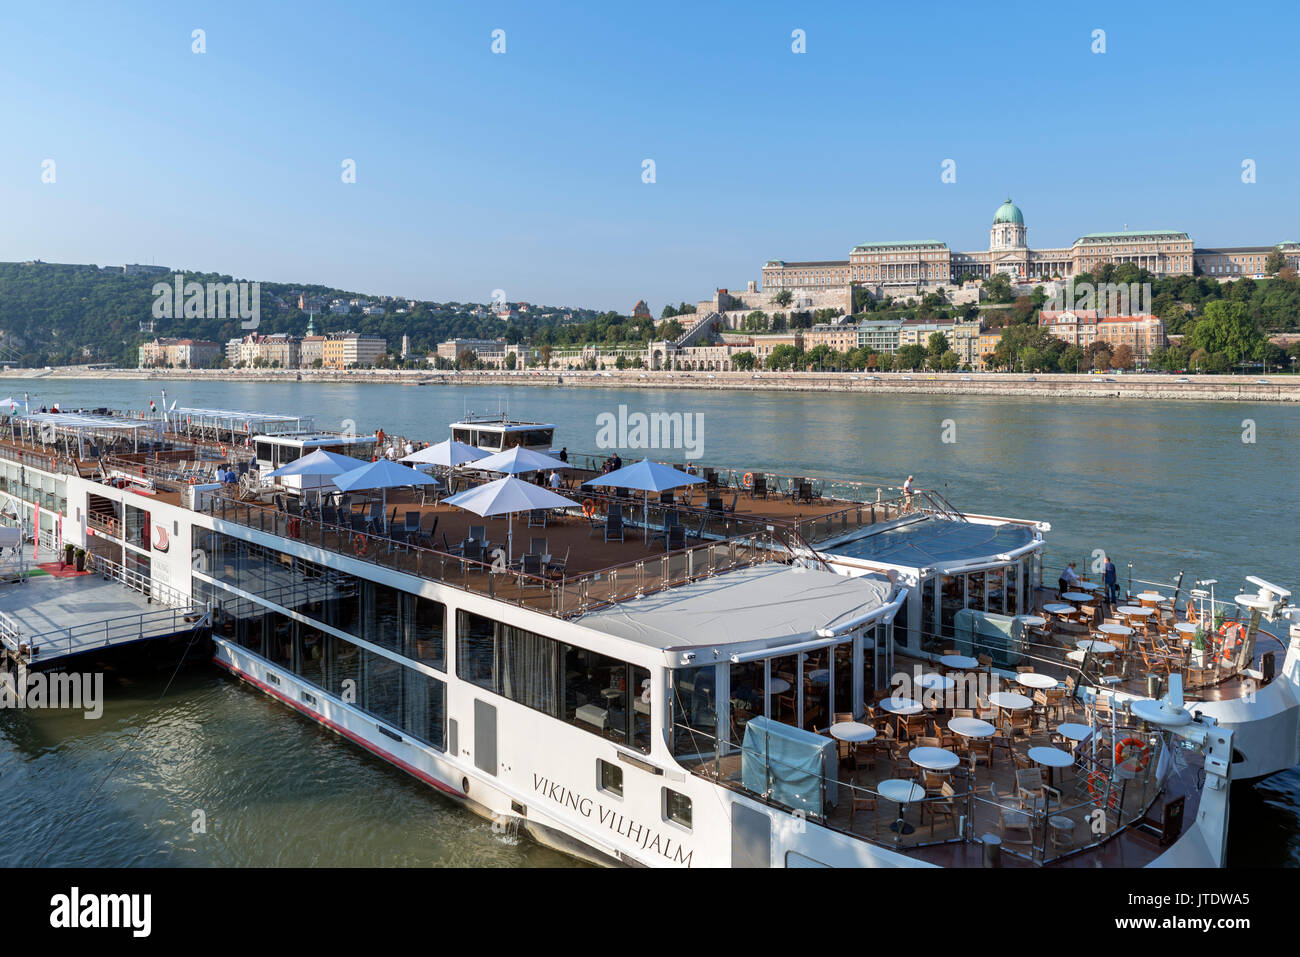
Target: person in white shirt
391,454
410,449
555,481
1068,577
907,491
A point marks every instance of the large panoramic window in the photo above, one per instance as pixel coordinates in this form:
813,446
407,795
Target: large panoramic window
584,688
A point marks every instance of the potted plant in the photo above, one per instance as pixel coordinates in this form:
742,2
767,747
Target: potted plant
81,559
1198,648
68,549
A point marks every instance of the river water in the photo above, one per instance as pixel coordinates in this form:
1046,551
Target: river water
214,773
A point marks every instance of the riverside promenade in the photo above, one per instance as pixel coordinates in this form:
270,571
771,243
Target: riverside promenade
1241,388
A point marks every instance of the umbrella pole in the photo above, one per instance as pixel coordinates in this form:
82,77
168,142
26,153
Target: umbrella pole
647,516
510,539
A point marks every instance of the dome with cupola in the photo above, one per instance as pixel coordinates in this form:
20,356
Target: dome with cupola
1009,212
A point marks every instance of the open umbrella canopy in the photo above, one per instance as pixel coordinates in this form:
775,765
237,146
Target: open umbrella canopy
448,453
646,476
382,474
517,460
319,462
507,496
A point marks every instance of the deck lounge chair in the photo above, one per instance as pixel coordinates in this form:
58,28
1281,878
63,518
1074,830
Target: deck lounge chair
614,525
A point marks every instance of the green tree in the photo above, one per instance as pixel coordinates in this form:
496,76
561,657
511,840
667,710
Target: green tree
949,361
1275,262
743,361
783,298
910,357
1227,329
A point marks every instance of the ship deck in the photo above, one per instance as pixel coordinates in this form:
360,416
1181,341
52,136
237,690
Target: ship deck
48,618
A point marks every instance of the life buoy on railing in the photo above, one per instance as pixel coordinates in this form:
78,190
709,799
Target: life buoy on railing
748,480
1233,635
1124,750
359,544
1096,788
588,508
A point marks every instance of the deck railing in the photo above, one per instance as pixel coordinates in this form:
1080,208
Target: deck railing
560,595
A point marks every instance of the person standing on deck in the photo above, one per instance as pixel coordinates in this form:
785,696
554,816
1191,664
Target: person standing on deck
1110,580
1068,577
907,492
555,481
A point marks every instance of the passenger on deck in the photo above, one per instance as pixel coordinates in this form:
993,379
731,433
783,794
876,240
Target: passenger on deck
555,481
564,454
1068,577
907,491
1110,580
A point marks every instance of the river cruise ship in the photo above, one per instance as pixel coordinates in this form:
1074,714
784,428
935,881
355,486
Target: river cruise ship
716,695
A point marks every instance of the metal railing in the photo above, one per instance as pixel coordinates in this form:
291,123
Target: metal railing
561,595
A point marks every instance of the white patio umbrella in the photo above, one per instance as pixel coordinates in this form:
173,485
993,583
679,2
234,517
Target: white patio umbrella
646,476
517,460
506,496
381,475
448,453
319,462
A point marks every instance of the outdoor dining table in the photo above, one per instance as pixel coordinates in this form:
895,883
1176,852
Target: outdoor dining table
1010,701
780,686
958,661
1057,608
1134,611
1051,758
1150,599
971,727
933,759
933,681
1086,586
901,706
1072,731
819,676
852,731
1095,646
1078,597
1186,630
1118,630
1032,679
1033,621
901,793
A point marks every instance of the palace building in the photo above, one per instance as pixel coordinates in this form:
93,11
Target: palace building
913,266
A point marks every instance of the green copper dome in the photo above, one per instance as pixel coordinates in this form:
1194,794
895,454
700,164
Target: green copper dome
1009,212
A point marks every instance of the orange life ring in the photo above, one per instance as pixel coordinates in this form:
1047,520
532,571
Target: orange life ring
359,544
1233,635
588,507
1137,744
1095,778
748,480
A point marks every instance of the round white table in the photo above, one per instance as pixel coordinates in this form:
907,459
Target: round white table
971,727
1051,758
932,681
819,676
1095,646
1072,731
1033,621
1010,701
933,759
1056,608
1032,679
958,661
1119,630
1076,596
852,731
1186,630
780,686
1134,611
1086,586
901,706
901,793
1150,598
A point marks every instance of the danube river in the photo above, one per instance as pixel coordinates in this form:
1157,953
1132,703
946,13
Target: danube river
1209,489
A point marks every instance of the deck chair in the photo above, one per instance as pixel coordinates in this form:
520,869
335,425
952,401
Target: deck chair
614,525
537,518
735,497
425,539
472,551
675,537
760,486
411,521
537,545
558,568
479,534
862,799
530,568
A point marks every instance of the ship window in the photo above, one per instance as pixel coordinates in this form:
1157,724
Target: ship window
677,808
609,777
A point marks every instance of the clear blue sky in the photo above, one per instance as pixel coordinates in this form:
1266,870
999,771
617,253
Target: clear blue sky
522,171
